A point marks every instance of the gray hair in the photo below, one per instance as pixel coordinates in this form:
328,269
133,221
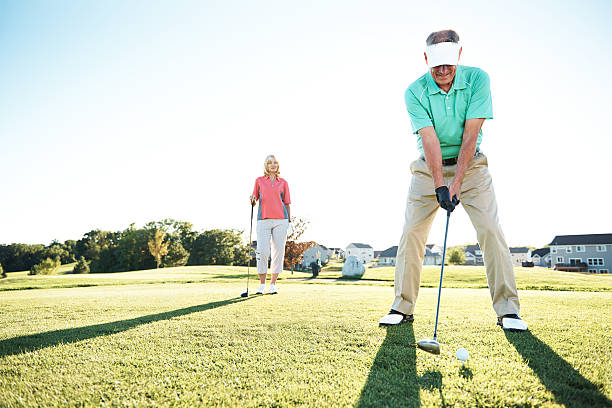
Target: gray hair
442,36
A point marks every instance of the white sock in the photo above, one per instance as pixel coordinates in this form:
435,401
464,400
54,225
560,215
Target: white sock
262,287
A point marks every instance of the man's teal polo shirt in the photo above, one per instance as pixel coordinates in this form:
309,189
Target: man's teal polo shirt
468,98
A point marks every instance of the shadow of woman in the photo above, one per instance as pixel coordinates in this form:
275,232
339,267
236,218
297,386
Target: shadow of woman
32,342
393,380
567,385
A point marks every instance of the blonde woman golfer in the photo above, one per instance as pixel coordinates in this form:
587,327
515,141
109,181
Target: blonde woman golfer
273,217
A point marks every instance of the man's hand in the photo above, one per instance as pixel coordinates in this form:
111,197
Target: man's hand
252,199
443,197
455,191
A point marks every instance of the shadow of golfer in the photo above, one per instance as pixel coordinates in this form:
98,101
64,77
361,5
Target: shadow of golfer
567,385
432,380
32,342
393,380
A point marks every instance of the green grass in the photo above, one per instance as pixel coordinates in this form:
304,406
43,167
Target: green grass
148,339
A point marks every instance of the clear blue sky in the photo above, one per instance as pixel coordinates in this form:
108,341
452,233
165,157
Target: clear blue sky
116,112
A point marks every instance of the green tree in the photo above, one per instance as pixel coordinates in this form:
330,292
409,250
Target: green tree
177,255
46,267
2,273
81,266
94,242
20,257
218,247
456,257
176,231
157,247
133,250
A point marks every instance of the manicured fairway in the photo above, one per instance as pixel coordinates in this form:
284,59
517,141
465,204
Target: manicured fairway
199,344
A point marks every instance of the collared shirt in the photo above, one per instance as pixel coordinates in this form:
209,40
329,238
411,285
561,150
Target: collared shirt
273,197
468,98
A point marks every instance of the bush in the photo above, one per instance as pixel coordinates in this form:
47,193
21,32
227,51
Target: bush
2,273
81,266
46,267
456,257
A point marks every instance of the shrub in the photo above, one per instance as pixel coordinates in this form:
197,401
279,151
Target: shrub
46,267
2,273
456,257
81,266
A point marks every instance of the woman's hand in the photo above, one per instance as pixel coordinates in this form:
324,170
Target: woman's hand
253,199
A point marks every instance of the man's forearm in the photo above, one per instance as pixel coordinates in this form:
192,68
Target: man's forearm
433,154
468,148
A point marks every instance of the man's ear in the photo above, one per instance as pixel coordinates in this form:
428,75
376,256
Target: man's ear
425,54
459,57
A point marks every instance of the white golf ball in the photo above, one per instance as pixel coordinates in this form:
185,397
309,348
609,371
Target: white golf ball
462,354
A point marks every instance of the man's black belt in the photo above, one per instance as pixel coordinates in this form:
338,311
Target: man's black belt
452,160
449,162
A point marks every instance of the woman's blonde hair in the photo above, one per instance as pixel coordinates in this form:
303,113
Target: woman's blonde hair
269,158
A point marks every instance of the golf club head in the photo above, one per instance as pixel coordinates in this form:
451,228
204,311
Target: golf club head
429,345
245,294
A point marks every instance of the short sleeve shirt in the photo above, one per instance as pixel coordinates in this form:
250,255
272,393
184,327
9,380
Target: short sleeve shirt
273,198
468,98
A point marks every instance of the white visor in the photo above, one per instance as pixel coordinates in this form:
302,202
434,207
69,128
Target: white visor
444,53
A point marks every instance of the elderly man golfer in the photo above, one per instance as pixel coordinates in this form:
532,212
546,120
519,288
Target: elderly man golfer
447,107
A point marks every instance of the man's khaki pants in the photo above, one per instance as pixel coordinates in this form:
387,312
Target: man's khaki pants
478,199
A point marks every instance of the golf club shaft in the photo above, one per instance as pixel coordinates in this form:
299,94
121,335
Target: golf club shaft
250,248
448,213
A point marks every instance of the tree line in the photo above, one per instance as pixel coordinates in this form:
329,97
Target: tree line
163,243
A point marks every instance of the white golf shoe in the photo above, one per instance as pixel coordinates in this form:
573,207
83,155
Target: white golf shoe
272,290
394,318
261,289
512,322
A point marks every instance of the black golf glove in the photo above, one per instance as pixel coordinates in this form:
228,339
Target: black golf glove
443,197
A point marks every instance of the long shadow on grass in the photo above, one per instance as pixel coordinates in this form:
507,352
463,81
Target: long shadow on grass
393,380
567,385
32,342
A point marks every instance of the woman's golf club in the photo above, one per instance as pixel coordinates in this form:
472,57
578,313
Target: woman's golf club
431,345
246,294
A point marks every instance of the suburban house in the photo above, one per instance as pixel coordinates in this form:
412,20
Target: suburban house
320,252
541,257
434,248
432,258
363,252
387,257
473,255
520,255
582,253
337,252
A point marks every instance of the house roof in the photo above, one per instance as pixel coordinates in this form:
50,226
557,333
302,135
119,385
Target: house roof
519,250
541,252
588,239
429,253
472,248
389,252
357,245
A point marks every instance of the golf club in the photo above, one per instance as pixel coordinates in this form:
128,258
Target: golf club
431,345
246,294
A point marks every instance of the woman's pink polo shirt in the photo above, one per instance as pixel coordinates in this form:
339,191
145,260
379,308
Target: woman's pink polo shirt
273,197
